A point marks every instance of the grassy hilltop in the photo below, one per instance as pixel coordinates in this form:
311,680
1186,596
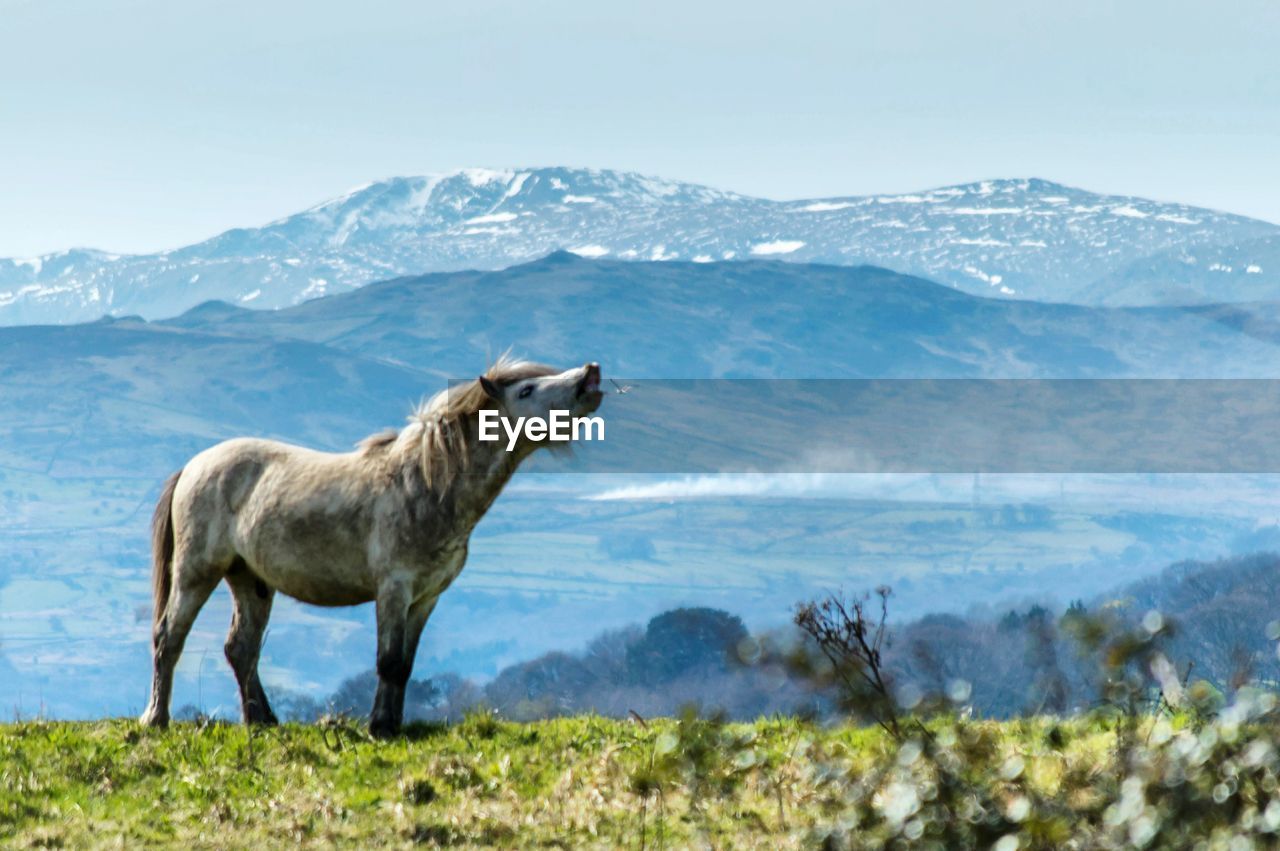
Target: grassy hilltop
566,782
593,782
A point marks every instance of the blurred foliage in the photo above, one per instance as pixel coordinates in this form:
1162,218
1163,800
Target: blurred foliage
1158,761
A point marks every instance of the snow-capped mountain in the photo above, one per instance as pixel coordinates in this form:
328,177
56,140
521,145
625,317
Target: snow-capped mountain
1028,239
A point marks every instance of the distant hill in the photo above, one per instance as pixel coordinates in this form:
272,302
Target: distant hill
130,397
1026,239
759,320
125,398
1223,614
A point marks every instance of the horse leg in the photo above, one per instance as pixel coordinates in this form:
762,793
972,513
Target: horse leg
400,623
251,599
191,588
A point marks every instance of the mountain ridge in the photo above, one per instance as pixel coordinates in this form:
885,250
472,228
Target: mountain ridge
1027,238
738,320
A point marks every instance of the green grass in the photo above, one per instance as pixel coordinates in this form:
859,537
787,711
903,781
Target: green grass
593,782
583,781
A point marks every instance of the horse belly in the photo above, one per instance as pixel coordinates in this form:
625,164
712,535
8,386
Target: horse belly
321,582
311,560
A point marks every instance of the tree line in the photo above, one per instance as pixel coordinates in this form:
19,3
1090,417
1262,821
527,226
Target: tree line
1219,623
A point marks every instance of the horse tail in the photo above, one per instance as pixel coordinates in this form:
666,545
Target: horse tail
162,548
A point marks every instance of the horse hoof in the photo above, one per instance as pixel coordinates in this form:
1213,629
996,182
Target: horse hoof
149,719
382,729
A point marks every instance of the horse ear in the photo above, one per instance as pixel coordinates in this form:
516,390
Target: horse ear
491,390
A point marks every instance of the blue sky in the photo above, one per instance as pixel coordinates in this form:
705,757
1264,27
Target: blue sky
138,124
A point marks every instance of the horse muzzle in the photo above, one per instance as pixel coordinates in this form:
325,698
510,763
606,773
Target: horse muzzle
589,395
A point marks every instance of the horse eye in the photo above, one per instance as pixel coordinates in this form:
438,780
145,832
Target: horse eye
525,391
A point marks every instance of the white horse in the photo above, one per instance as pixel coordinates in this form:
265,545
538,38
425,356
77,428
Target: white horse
387,523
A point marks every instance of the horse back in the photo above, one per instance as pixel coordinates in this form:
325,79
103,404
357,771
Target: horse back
303,521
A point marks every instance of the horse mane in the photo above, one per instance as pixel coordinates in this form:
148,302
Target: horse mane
443,424
378,442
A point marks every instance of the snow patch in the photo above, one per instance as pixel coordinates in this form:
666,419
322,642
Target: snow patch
975,272
1253,269
1129,212
778,246
7,298
492,218
421,197
829,206
516,185
332,202
983,240
986,211
589,251
36,263
658,188
1177,220
485,176
346,227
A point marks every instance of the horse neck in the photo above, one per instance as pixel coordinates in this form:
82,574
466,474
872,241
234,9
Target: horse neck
470,491
488,470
